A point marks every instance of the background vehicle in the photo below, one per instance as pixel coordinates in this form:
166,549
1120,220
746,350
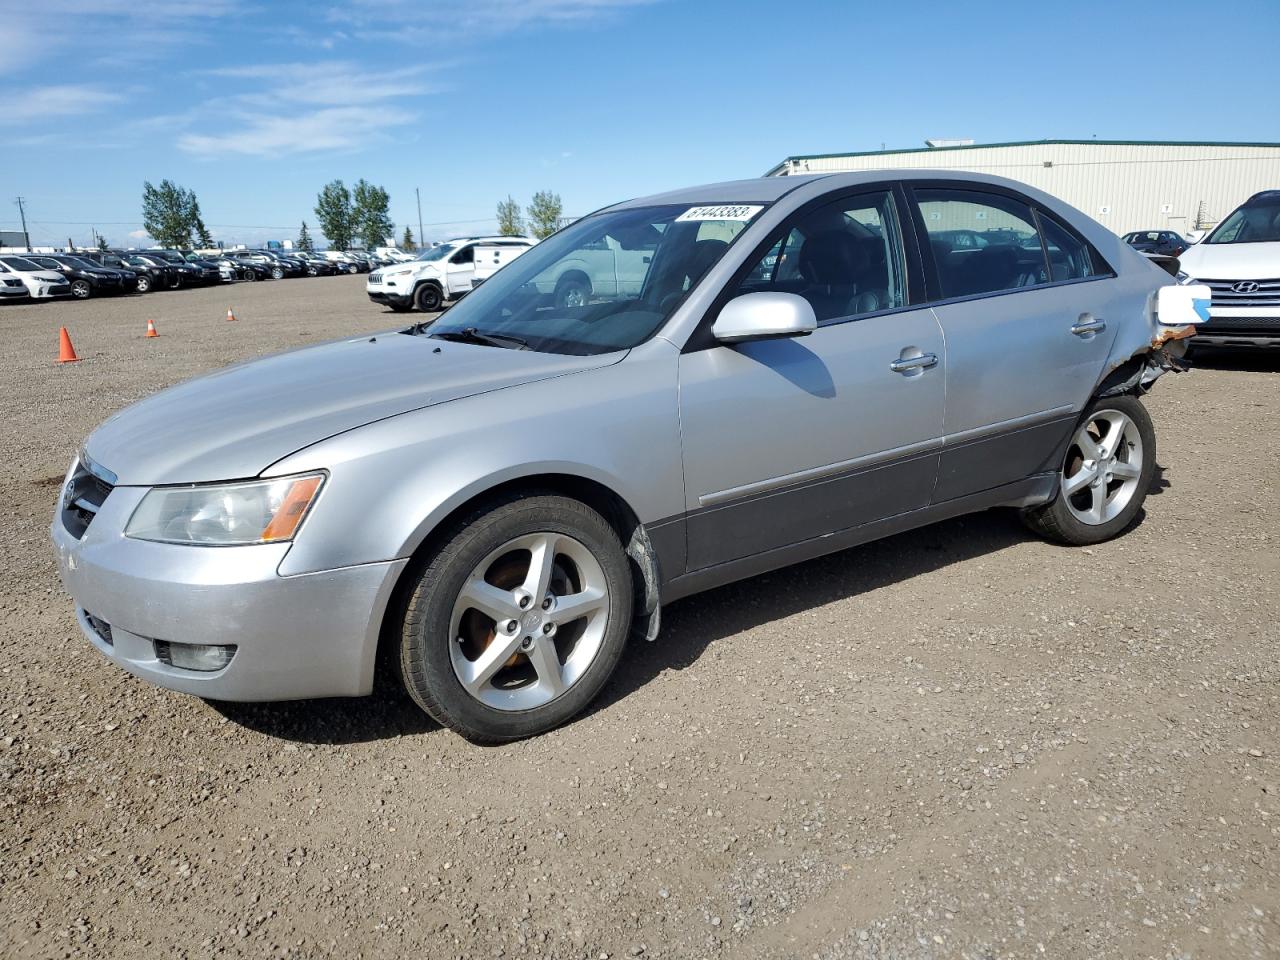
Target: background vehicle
145,276
1240,262
87,279
171,275
41,282
442,273
12,288
1164,242
507,493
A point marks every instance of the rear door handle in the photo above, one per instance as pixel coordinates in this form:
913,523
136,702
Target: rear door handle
907,364
1087,328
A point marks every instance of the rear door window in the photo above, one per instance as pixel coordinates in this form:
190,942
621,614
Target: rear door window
981,243
1070,258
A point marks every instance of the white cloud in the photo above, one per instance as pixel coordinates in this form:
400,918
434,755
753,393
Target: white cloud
412,22
62,100
139,234
335,128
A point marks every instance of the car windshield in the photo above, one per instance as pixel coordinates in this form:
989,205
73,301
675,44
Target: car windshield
21,263
438,253
606,283
1252,223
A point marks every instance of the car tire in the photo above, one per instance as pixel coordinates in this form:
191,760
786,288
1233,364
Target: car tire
143,285
572,292
428,298
81,289
1105,475
556,663
277,273
353,269
251,275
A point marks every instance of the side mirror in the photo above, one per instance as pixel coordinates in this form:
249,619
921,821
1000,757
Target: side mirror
1182,304
764,316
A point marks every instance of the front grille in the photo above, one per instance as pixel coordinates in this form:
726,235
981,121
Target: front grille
375,278
1266,293
82,498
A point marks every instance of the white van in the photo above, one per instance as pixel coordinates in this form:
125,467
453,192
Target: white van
442,273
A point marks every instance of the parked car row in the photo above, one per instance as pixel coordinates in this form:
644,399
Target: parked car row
94,273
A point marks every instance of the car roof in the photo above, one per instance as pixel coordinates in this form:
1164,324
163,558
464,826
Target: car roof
770,189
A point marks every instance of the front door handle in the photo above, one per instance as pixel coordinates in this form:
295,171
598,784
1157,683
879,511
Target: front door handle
907,364
1087,328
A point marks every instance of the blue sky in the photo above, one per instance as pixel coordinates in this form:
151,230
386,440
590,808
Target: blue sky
255,105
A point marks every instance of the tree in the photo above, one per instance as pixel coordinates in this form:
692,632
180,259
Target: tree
170,214
333,208
304,239
509,222
370,220
197,226
102,243
545,210
407,242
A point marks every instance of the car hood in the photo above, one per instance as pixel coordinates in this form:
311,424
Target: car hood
1232,261
237,422
51,276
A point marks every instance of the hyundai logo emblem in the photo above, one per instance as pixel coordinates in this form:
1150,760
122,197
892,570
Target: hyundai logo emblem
1245,286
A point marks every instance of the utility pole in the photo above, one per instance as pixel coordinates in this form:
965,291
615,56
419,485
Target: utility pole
419,197
26,237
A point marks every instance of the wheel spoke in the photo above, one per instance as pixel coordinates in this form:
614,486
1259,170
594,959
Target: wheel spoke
490,661
493,602
1077,481
542,556
1088,446
1124,471
1097,503
546,663
576,605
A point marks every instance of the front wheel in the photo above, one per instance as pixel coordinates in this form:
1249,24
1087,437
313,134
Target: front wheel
1104,476
518,619
277,273
143,285
428,298
81,290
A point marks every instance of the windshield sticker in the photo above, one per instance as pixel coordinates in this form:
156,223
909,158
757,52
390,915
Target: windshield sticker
738,212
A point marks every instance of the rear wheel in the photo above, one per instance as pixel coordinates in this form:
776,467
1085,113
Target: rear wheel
571,293
518,619
1104,476
428,298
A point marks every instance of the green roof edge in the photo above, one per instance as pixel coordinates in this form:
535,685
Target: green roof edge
1026,143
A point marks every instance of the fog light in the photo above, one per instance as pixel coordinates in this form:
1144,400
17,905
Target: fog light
205,657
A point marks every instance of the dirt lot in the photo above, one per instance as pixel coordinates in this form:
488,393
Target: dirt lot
960,742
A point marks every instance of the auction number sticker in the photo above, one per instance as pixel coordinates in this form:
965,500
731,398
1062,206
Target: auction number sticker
738,212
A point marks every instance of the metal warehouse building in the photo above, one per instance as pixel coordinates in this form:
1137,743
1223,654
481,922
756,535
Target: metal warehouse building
1126,185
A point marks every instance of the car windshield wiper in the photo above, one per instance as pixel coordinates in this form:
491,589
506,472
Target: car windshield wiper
472,335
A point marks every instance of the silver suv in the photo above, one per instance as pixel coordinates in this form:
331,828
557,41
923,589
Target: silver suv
498,498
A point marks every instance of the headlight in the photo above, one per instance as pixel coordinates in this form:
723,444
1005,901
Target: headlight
1184,277
226,514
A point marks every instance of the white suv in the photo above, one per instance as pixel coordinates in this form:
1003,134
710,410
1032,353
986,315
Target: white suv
442,273
1240,263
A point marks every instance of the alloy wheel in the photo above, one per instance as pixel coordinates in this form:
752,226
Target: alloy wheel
529,621
1103,466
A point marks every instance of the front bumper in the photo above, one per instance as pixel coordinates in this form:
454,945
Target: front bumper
1240,327
388,297
47,291
313,635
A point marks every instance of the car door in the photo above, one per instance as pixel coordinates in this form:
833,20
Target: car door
790,440
461,270
1026,331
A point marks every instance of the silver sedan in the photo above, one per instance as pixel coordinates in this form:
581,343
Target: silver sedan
754,373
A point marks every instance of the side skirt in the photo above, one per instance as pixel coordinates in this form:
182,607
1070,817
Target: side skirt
1022,493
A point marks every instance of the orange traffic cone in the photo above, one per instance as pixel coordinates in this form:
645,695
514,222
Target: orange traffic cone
66,352
151,329
230,315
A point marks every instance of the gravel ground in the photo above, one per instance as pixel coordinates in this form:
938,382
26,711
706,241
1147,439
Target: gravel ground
960,742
